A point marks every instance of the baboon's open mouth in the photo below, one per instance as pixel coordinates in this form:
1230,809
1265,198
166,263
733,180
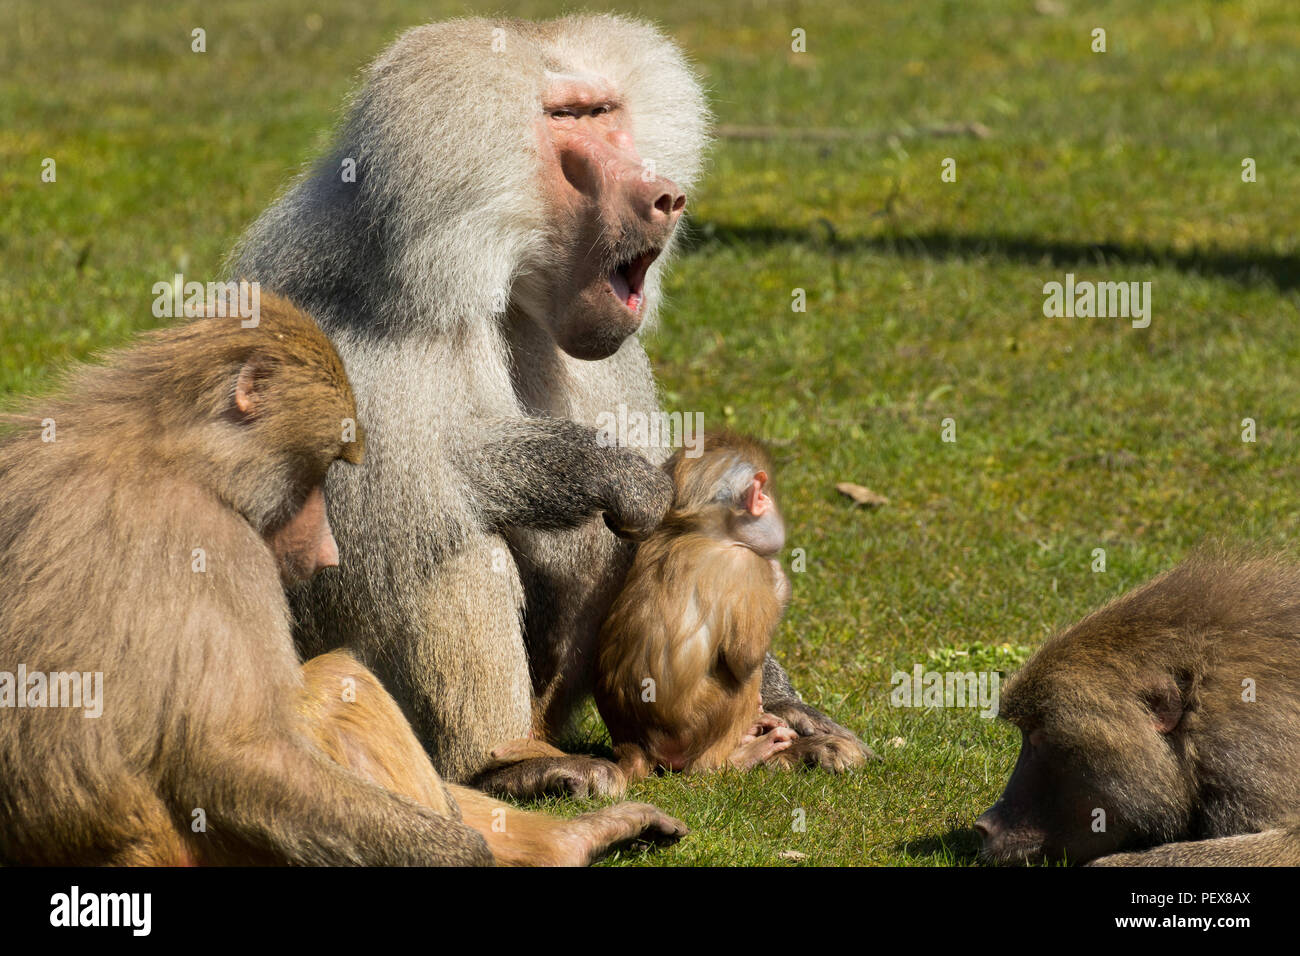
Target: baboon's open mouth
627,279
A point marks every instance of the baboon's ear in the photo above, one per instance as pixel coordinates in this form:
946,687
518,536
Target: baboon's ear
1165,701
249,388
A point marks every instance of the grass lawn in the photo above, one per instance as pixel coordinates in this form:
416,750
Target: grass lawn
924,302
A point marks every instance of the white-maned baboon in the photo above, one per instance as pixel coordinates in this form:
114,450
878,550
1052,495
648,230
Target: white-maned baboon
482,243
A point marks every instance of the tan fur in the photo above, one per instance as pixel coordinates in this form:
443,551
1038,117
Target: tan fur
214,746
1140,711
209,436
1276,847
705,656
366,732
350,716
696,617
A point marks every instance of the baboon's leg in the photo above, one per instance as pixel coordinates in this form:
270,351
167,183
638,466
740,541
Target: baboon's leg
1280,847
350,716
523,838
356,722
524,768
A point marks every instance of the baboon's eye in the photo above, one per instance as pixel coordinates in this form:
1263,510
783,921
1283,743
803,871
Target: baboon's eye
563,114
600,111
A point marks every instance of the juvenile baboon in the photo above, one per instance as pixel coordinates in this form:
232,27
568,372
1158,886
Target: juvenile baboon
1171,714
680,657
150,516
482,243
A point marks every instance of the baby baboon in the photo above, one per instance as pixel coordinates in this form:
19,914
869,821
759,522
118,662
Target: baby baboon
1171,714
156,713
680,657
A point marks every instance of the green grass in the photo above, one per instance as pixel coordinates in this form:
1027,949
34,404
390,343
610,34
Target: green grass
924,302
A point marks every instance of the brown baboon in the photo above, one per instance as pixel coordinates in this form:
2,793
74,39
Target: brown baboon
482,242
366,731
1172,714
150,516
680,657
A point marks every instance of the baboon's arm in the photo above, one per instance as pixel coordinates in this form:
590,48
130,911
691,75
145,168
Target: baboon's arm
302,808
552,473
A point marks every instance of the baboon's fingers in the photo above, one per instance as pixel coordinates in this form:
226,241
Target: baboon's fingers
812,723
830,752
765,723
762,749
627,824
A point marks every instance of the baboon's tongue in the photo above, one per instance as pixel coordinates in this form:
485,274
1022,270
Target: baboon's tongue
618,282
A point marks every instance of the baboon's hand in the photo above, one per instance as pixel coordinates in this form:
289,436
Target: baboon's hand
828,752
836,753
764,723
639,496
781,699
836,747
754,750
636,825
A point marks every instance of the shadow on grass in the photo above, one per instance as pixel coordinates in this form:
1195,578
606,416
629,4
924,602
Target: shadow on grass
585,747
1249,266
958,846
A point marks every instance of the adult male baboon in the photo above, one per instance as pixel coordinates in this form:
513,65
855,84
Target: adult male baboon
152,708
482,243
1171,714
